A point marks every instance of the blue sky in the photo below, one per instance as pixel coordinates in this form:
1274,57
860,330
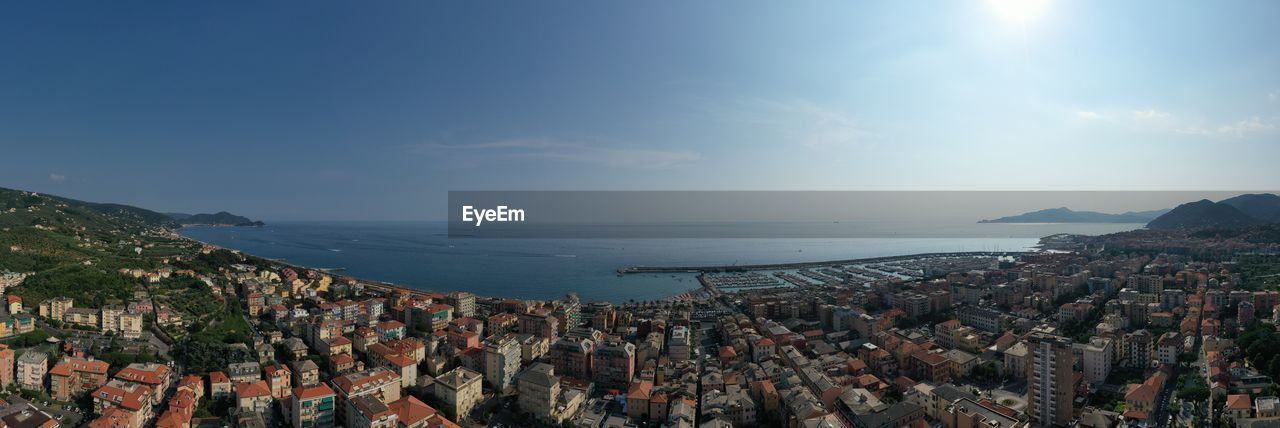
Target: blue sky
356,110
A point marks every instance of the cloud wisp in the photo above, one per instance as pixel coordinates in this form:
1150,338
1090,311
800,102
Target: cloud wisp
55,177
797,121
1155,120
555,150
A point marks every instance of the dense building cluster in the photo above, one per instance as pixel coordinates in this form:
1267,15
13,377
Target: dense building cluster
1048,339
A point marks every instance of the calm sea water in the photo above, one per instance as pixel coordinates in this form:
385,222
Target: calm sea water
420,255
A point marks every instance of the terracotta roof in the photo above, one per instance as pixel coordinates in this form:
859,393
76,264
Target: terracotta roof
439,421
388,325
172,419
405,345
1238,402
1141,392
218,378
467,321
113,417
767,386
153,374
342,359
127,398
1006,340
357,381
411,410
400,360
253,389
276,370
192,382
640,390
69,365
727,352
307,393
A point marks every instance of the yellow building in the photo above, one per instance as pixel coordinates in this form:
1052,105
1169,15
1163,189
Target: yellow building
55,308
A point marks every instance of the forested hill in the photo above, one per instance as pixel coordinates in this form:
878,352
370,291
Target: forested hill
75,247
221,218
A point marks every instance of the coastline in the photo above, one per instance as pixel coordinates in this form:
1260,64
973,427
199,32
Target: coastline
416,256
388,287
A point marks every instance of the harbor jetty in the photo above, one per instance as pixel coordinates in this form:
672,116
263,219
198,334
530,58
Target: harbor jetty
803,265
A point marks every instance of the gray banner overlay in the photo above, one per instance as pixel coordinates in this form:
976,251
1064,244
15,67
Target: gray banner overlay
796,214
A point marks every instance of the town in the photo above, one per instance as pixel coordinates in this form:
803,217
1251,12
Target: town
1121,330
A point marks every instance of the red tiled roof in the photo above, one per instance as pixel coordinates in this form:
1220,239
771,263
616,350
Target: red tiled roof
439,421
640,390
274,370
342,359
130,399
1141,392
411,410
1238,402
69,365
192,381
389,325
113,417
307,393
136,373
400,361
253,389
356,381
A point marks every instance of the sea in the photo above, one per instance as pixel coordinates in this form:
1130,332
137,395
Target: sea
422,255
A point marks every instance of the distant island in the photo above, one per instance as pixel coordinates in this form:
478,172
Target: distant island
221,218
1066,215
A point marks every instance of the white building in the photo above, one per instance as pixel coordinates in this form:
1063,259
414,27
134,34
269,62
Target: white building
678,344
1098,355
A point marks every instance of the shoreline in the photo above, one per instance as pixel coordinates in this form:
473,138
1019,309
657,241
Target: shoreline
386,287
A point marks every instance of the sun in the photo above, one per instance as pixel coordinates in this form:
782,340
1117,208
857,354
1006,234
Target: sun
1019,11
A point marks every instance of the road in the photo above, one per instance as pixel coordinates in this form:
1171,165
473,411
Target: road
1162,402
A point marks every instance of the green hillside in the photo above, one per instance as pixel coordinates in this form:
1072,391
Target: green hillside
74,248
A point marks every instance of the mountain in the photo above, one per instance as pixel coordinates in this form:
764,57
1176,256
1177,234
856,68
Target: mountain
1203,214
1148,215
1065,215
1262,206
52,210
221,218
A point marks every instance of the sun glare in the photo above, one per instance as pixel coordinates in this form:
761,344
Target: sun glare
1019,11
